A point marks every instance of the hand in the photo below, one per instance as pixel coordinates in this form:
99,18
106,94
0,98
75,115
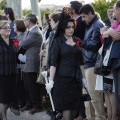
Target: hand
49,85
22,58
115,34
84,82
41,54
103,29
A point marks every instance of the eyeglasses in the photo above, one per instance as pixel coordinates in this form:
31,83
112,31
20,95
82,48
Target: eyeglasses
69,27
5,28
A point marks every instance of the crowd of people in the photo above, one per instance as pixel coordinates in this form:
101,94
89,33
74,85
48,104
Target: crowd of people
67,47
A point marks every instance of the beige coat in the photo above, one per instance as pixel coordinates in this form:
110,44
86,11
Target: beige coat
45,54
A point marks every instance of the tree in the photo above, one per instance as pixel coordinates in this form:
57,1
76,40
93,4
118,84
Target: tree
26,11
16,6
36,9
43,11
3,4
101,7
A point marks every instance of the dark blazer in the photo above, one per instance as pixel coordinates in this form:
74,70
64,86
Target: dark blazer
48,31
107,22
12,34
80,28
115,49
50,48
32,43
8,64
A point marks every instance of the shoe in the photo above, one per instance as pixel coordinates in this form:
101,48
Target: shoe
15,111
34,110
25,108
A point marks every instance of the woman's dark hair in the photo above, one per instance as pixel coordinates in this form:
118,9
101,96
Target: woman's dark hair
10,12
55,16
47,16
20,25
117,4
66,16
76,5
86,9
65,24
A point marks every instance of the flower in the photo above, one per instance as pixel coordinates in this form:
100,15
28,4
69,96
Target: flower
16,43
78,41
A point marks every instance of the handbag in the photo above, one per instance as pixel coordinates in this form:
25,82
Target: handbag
99,68
85,97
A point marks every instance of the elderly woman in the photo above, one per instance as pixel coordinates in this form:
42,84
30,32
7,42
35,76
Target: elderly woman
7,68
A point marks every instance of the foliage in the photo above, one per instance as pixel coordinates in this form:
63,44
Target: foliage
3,4
43,11
26,11
101,7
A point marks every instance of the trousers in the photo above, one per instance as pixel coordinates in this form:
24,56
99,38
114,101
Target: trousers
94,108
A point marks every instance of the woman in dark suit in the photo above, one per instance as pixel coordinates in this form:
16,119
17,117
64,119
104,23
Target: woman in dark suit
7,68
65,73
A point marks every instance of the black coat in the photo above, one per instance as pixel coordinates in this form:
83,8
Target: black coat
8,64
107,22
80,28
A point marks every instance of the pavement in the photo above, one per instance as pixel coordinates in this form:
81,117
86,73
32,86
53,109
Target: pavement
26,116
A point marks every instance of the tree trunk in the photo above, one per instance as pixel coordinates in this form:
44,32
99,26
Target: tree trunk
16,6
36,9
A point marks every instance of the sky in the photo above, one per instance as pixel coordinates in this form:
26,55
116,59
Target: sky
26,3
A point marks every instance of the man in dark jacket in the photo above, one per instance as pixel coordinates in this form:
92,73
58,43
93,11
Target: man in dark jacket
91,45
110,15
80,28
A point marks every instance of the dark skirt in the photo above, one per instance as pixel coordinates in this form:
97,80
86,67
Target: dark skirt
66,93
107,85
7,88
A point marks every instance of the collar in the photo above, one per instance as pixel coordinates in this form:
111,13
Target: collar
93,20
32,27
77,17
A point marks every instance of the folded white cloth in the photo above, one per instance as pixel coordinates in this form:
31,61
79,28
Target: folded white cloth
49,85
22,58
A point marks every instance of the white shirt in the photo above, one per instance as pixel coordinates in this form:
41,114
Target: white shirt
32,27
